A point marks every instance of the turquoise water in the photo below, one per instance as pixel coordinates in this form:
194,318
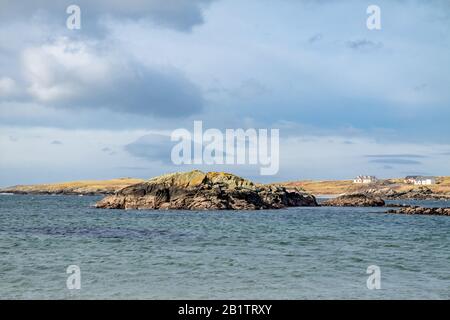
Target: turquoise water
299,253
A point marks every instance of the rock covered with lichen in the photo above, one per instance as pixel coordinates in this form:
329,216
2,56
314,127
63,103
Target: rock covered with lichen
196,190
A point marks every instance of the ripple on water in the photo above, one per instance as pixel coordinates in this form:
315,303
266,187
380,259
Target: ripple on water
298,253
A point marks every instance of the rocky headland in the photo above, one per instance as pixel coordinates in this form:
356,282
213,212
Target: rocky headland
86,187
197,190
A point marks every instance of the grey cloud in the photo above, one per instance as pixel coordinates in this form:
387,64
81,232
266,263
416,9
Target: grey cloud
104,81
109,151
396,161
315,38
404,155
152,147
56,142
176,14
363,45
145,92
155,147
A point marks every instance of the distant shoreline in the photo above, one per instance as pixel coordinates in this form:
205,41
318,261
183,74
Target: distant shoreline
391,189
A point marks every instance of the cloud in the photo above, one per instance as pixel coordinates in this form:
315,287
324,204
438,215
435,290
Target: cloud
181,15
396,161
79,75
315,38
152,147
109,151
56,142
363,45
8,88
157,147
405,155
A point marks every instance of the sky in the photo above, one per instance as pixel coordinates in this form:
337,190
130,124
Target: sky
100,102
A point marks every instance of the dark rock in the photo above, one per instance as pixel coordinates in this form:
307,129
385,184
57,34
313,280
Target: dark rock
354,200
196,190
420,193
421,210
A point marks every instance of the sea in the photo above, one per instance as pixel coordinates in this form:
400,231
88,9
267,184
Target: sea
296,253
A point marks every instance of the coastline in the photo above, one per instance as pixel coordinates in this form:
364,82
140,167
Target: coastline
388,189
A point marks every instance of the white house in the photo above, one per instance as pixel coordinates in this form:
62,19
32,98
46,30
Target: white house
410,179
422,181
365,179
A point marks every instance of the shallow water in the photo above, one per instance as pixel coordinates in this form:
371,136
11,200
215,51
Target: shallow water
299,253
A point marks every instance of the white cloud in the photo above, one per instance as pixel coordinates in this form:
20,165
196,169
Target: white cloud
80,74
8,87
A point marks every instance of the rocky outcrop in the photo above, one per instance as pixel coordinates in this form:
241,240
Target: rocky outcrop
421,193
354,200
197,190
421,211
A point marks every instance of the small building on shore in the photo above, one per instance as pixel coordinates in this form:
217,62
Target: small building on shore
365,179
420,180
410,179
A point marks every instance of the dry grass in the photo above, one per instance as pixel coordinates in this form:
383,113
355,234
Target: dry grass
84,186
322,187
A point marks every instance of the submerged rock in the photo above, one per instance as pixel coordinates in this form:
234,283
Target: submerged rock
354,200
197,190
